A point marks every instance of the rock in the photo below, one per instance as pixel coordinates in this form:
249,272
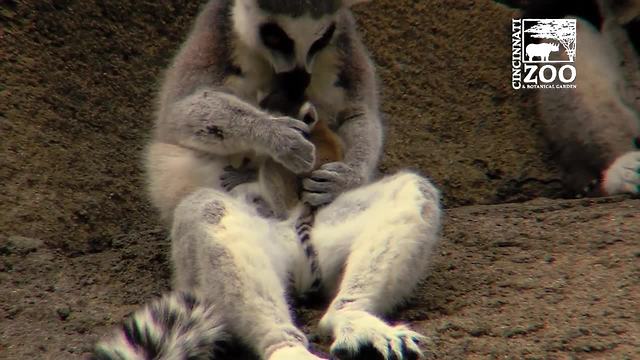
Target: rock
63,312
19,245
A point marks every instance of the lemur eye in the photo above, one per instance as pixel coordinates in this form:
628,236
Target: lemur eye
323,41
276,39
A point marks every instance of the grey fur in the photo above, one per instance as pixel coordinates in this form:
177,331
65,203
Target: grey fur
224,249
198,253
239,127
591,126
213,212
201,110
198,112
280,185
296,8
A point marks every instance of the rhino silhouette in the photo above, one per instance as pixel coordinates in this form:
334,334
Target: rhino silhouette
541,50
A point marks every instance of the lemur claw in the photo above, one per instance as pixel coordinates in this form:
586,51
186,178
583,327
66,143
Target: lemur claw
329,181
232,177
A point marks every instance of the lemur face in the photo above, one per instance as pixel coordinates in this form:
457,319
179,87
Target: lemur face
289,34
294,42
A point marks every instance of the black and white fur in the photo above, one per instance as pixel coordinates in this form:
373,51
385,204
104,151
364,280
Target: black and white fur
176,326
595,128
374,239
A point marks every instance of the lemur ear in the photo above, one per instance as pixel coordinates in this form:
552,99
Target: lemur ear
350,3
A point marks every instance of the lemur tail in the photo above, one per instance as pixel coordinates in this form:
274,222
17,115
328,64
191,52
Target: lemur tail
303,229
176,326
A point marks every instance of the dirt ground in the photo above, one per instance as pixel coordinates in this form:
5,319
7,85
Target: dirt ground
506,284
80,247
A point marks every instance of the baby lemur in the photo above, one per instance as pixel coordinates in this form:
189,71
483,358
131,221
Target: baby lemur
277,185
280,187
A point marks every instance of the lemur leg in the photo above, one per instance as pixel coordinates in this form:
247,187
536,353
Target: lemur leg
374,244
224,251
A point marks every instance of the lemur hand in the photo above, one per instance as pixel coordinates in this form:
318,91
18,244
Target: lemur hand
329,181
289,146
623,176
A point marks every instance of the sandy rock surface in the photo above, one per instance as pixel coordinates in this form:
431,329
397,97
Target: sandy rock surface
545,279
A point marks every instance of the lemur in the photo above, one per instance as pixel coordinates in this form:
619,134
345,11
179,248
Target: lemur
233,267
279,187
594,129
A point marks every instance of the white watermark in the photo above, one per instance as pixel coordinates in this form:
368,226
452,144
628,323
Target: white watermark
543,53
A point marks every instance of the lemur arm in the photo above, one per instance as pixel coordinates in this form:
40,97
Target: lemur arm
215,122
360,126
197,110
361,133
220,123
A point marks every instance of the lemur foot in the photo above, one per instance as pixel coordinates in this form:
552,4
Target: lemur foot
360,335
293,353
623,176
232,177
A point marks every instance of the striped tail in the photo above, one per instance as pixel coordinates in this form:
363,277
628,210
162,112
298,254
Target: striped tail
176,326
303,229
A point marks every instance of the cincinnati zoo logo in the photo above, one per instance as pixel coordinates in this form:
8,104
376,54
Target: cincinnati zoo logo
543,53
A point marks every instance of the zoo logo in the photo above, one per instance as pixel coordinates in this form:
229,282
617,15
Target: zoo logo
543,53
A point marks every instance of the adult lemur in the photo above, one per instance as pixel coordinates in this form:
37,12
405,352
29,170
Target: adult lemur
595,128
232,266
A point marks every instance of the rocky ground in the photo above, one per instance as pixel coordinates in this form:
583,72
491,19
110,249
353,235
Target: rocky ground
541,280
80,247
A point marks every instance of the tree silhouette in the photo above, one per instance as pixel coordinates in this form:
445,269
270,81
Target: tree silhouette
562,30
